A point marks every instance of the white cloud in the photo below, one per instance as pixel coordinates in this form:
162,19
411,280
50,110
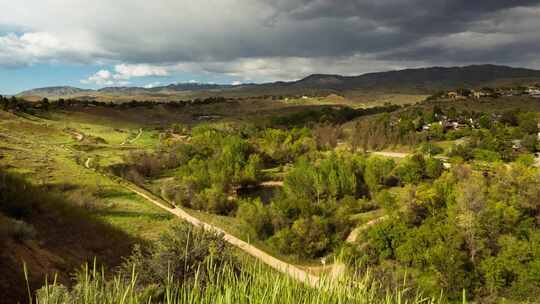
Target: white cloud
127,71
124,72
102,77
236,83
152,85
35,47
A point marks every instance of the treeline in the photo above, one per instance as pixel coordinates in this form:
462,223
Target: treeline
463,231
329,115
20,104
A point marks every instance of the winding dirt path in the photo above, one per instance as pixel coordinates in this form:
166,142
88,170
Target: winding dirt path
289,269
127,140
87,163
390,154
271,184
353,236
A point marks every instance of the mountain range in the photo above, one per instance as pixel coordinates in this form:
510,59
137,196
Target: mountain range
419,80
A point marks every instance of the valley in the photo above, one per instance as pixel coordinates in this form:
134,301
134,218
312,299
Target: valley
322,190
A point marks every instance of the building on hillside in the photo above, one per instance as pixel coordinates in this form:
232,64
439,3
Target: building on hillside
477,94
452,95
452,125
516,144
533,91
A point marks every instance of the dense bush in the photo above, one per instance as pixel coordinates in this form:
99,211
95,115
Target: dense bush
311,216
256,218
283,146
184,253
465,231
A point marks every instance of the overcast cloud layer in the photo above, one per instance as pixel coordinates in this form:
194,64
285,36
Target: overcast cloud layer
262,40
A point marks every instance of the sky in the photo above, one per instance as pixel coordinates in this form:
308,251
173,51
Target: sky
99,43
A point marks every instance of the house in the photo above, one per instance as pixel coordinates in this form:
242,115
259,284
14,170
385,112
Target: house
477,94
516,144
533,91
452,125
452,95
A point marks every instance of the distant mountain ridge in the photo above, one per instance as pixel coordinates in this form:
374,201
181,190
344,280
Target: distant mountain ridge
418,80
54,91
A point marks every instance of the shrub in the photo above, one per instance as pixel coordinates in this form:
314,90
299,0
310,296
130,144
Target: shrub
16,229
486,155
377,169
256,216
22,231
434,167
430,149
182,252
411,170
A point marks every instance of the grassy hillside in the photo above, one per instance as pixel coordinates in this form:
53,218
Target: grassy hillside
50,234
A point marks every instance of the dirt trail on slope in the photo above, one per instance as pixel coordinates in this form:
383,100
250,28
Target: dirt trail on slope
264,257
353,236
390,154
127,140
271,184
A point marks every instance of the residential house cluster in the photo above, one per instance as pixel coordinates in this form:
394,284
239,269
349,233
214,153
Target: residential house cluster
450,124
532,91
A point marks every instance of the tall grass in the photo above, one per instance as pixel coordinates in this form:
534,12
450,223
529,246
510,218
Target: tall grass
254,284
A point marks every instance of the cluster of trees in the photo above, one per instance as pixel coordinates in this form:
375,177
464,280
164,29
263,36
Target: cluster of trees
210,168
311,216
280,146
386,130
329,115
19,104
13,103
464,231
492,136
502,139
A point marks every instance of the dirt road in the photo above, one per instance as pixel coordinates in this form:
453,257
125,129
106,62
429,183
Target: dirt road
390,154
271,261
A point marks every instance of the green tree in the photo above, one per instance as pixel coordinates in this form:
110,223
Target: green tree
256,216
528,123
434,167
377,169
485,121
45,104
411,170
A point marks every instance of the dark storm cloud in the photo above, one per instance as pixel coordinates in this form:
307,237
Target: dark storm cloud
411,22
222,34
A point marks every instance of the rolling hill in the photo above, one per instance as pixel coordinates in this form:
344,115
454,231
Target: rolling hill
411,81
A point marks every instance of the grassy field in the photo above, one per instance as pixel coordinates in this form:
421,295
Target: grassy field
46,154
255,284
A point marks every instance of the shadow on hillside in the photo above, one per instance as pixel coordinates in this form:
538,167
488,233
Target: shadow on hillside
52,236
